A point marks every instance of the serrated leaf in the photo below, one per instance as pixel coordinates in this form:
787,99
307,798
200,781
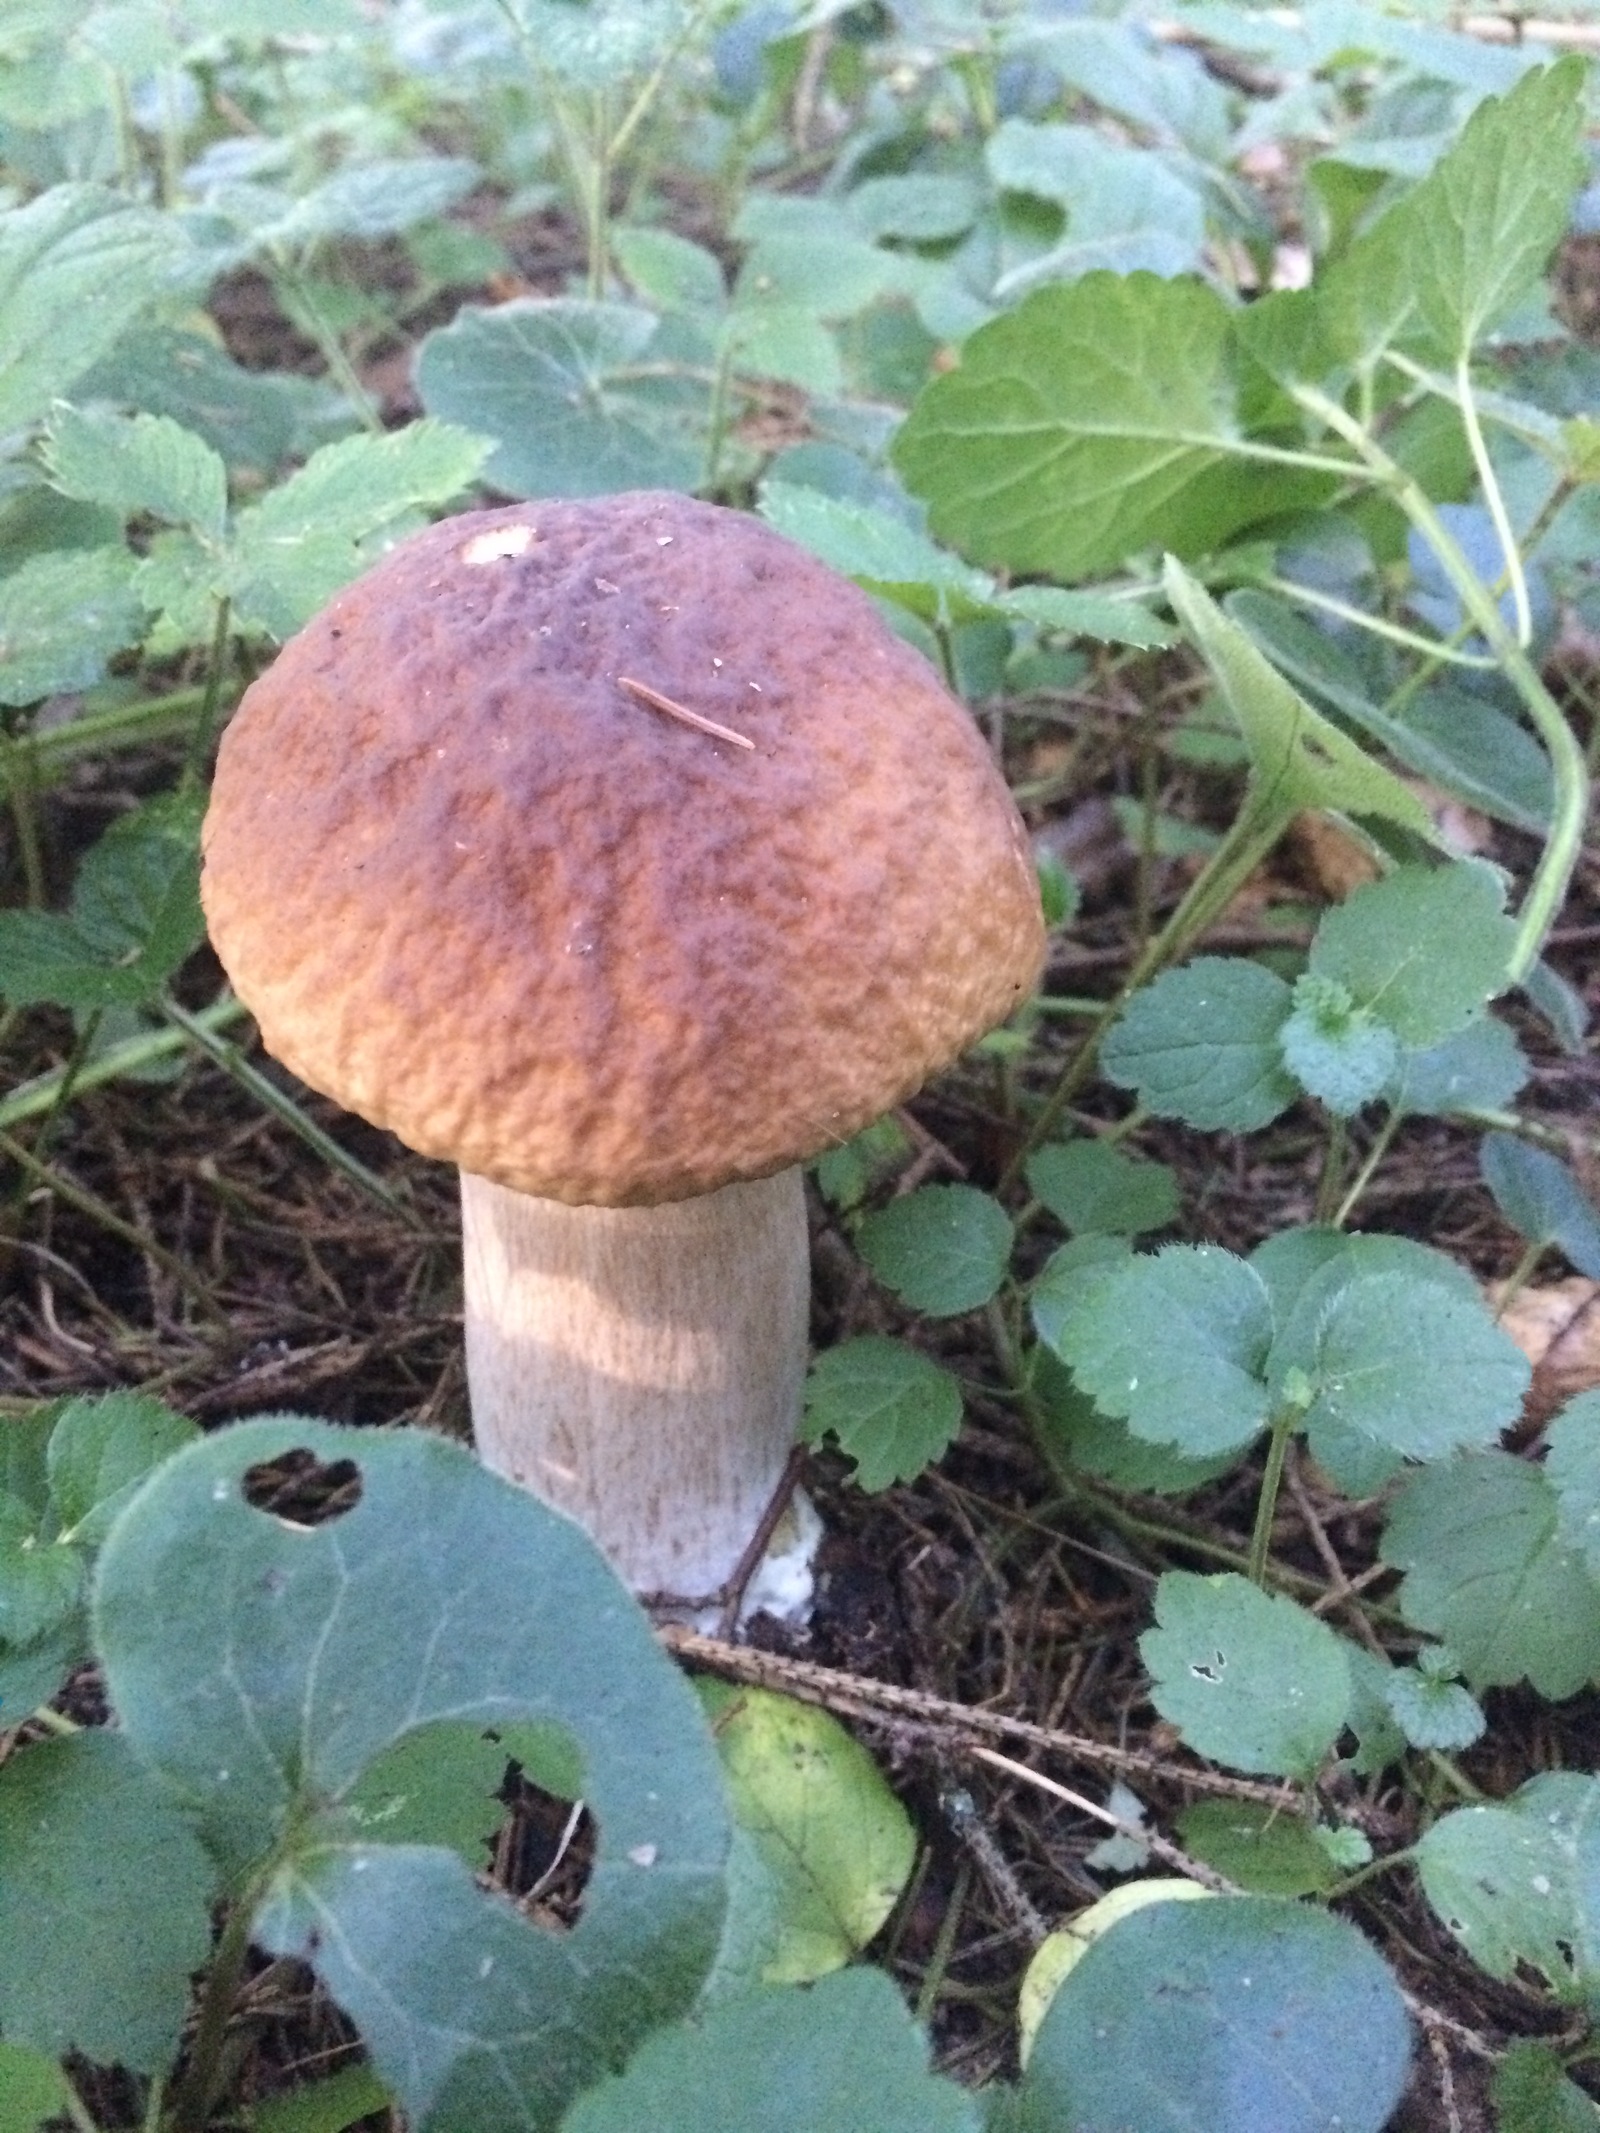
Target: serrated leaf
943,1249
77,266
143,463
593,47
312,534
1175,1343
844,2053
41,1577
1482,225
890,1409
290,1657
574,394
1250,1679
1076,1437
1202,1044
105,1904
1337,1051
1095,420
1480,1068
1515,1882
1091,1185
1415,1368
837,1845
255,419
377,199
1422,950
1433,1713
1572,1467
1488,1572
1539,1196
100,1450
135,915
1109,618
1248,2013
1263,1850
62,617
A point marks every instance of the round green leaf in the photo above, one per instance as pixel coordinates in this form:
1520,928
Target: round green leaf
1248,2015
943,1249
1091,1185
892,1410
1263,1849
1201,1044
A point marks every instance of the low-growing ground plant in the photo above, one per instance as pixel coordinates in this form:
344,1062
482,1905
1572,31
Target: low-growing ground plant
1215,403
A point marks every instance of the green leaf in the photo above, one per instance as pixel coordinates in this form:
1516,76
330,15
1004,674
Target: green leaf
1539,1196
1422,950
100,1450
1175,1343
1533,2095
435,1785
1298,758
1265,1850
837,1846
1111,618
1432,1712
1250,1679
33,2088
41,1577
313,533
879,550
147,464
1095,420
844,2053
31,1674
1488,1572
135,915
256,419
1515,1882
1203,1044
1481,227
576,396
1092,1185
890,1409
669,271
77,266
1572,1467
1422,1371
1127,208
62,617
1076,1436
943,1249
1336,1050
846,1175
1480,1068
326,2106
1248,2014
104,1904
261,1666
377,199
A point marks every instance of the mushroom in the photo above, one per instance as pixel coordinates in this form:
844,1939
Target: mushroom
617,851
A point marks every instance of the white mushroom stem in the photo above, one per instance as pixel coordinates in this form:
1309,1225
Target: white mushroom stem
641,1368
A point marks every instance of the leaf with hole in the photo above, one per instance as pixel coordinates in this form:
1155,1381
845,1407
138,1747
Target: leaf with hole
890,1409
1515,1882
260,1665
1250,1679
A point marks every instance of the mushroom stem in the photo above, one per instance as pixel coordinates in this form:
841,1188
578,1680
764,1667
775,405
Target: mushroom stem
640,1368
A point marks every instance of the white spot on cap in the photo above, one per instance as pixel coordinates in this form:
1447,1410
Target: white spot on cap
494,547
643,1855
604,585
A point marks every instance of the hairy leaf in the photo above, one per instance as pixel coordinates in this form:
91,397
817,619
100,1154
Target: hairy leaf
890,1409
1202,1044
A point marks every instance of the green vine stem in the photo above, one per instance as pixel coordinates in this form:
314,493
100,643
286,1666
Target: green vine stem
1283,1423
1548,888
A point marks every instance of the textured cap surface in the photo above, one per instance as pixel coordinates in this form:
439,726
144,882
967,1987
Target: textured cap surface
481,892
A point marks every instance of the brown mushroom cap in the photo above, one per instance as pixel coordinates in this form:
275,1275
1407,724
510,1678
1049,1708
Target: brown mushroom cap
486,896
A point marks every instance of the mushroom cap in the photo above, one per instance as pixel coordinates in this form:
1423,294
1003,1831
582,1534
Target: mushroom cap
485,895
